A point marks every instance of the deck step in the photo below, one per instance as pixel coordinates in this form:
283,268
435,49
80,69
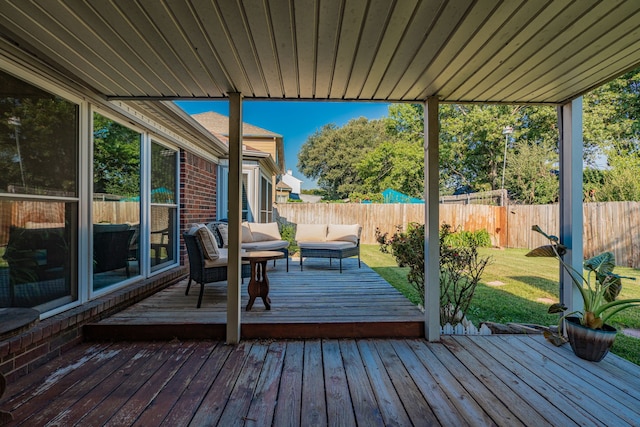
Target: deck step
202,331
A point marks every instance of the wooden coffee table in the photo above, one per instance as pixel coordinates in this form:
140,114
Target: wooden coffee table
259,283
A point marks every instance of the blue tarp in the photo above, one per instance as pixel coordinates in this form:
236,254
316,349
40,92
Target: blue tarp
393,196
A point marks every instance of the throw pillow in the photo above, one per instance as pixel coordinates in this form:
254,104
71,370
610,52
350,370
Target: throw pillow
343,233
263,232
207,241
311,232
247,237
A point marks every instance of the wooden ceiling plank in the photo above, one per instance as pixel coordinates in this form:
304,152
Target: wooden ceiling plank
135,29
518,76
217,81
261,31
235,21
482,22
222,47
482,46
329,19
409,21
487,57
86,26
418,28
306,33
58,45
600,32
536,34
166,20
282,23
446,24
371,36
594,69
352,22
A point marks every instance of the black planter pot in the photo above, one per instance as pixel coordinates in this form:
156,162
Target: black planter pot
589,344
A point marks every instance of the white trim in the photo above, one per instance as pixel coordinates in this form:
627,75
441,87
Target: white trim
432,221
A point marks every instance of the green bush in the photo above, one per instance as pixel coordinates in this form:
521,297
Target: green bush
288,233
460,266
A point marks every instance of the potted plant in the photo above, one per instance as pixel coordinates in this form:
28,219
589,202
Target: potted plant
588,333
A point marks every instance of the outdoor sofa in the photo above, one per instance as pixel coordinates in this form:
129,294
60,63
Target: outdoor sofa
328,241
255,237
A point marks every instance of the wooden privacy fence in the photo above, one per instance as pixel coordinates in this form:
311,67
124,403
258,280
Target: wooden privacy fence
611,226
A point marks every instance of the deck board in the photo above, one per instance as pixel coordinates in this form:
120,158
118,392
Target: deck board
317,302
479,381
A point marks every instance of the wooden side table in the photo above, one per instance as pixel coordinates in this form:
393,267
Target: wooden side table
259,283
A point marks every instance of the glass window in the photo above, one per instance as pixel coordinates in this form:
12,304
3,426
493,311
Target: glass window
164,208
116,202
266,202
38,141
38,156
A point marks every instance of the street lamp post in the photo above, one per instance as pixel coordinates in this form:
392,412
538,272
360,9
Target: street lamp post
16,123
508,130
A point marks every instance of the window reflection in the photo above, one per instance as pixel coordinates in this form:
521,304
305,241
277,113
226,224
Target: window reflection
164,209
38,254
116,202
38,156
38,141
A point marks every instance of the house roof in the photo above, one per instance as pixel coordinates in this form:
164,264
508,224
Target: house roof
219,124
486,51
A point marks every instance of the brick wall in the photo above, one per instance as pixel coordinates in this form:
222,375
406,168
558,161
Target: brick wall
198,182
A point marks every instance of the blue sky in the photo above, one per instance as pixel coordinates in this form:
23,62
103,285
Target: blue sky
294,120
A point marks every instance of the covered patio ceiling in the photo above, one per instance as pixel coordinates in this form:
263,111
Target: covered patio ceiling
484,51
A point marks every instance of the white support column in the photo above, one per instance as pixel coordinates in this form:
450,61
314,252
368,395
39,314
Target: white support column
432,221
571,227
235,218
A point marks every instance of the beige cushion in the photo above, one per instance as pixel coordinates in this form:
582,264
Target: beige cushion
337,244
246,233
345,233
311,232
263,232
207,240
224,232
267,245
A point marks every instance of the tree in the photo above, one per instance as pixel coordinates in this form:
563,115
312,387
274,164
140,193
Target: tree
529,176
331,154
116,158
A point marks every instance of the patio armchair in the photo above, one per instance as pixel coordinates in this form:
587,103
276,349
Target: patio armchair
204,270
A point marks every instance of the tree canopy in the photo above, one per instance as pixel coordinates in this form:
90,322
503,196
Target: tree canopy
366,157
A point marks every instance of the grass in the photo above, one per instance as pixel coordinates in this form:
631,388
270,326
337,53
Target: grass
518,289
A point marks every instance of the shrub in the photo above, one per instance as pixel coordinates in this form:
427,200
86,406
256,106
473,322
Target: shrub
479,239
288,233
460,266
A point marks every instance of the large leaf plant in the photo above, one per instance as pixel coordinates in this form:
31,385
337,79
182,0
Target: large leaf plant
599,288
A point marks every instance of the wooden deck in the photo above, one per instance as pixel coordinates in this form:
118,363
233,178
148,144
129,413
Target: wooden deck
503,380
318,302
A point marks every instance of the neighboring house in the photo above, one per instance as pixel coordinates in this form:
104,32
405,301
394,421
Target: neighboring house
283,192
263,160
292,182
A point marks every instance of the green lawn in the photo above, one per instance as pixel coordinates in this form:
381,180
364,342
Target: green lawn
520,292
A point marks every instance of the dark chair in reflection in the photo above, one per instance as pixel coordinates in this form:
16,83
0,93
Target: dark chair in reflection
36,256
111,248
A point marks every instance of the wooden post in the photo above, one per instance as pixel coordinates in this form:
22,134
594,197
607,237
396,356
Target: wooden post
235,218
570,126
432,221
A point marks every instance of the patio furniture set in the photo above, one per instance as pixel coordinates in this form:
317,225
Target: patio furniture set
261,242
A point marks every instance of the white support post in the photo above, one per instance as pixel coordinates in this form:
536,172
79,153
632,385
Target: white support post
432,221
235,218
571,222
